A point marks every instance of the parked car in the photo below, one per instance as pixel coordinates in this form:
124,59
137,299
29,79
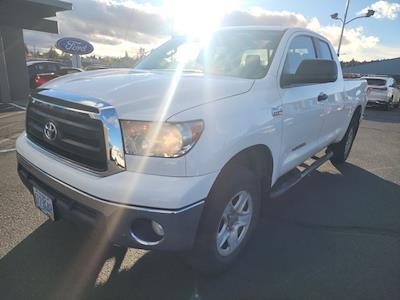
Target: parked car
384,92
41,79
96,67
36,67
182,152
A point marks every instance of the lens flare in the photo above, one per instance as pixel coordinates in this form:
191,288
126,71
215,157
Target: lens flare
198,18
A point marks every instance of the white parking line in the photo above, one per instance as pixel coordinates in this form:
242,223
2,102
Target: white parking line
12,114
383,168
4,140
6,126
7,150
17,106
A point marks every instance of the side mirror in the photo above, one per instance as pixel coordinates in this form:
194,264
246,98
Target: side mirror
312,71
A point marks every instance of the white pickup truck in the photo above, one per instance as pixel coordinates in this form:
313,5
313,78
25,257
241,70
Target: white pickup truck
181,152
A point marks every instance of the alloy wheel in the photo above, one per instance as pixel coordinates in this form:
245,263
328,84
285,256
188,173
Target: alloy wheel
234,223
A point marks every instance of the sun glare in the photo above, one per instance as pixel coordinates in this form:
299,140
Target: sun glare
198,18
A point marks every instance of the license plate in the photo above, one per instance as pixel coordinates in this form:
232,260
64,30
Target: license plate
43,202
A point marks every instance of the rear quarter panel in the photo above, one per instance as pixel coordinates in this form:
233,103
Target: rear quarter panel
355,96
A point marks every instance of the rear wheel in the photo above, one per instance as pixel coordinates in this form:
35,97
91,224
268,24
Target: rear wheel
389,105
229,218
342,149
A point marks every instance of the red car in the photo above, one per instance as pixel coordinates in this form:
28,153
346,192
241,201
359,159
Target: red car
43,78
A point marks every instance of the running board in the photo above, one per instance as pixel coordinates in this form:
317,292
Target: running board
282,187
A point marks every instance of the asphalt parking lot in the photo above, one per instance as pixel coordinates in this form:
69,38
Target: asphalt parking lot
336,235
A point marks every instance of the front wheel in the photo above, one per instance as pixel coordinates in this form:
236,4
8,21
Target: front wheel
229,218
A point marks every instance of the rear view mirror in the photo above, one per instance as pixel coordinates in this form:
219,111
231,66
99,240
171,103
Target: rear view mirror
312,71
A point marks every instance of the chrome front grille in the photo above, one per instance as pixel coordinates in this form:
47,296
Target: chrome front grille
89,138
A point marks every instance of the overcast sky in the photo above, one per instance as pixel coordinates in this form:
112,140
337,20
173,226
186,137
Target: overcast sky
116,26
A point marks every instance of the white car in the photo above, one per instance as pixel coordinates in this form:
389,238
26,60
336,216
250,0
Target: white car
384,92
181,152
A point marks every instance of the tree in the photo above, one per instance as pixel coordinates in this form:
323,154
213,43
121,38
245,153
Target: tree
52,53
140,53
65,56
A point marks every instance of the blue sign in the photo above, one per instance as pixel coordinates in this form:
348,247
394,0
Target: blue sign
74,46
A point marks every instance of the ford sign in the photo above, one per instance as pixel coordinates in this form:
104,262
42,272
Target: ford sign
74,46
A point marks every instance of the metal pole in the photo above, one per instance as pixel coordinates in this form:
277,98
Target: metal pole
5,94
76,61
344,24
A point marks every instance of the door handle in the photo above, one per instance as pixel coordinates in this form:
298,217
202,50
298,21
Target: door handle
322,97
277,111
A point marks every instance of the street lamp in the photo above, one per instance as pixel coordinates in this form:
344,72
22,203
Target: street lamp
344,21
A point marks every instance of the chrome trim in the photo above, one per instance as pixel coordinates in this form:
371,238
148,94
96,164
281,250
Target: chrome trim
277,111
92,201
50,131
143,242
112,131
113,140
85,103
91,114
166,211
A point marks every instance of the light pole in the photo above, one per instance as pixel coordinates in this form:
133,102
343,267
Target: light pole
344,21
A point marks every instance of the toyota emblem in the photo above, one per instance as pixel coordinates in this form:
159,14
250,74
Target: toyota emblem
50,131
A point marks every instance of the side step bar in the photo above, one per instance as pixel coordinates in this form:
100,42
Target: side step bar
282,187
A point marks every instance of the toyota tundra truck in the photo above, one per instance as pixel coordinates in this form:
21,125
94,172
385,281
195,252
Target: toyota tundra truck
181,152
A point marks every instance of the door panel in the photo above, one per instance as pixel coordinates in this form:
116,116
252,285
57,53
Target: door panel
302,112
302,122
334,114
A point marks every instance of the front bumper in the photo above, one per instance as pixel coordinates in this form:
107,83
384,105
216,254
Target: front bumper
127,188
118,221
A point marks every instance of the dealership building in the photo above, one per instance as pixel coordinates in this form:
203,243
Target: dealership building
16,15
389,67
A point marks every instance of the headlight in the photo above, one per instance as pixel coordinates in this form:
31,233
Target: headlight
160,139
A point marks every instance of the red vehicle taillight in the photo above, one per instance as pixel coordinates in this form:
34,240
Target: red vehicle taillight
369,90
39,80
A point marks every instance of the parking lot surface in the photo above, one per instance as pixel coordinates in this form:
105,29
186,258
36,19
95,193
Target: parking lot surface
12,122
336,235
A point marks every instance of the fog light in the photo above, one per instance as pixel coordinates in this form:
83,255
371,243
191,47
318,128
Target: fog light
158,229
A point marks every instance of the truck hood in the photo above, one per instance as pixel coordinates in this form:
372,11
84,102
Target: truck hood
148,95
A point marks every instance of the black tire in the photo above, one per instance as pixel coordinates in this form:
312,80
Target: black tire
389,106
205,256
342,149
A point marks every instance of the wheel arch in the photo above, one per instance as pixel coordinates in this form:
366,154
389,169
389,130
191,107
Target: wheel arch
258,158
358,111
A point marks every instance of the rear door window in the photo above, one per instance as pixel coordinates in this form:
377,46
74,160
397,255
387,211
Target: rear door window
40,68
324,50
51,68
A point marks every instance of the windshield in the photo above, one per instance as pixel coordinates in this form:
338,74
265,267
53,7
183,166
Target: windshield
237,53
